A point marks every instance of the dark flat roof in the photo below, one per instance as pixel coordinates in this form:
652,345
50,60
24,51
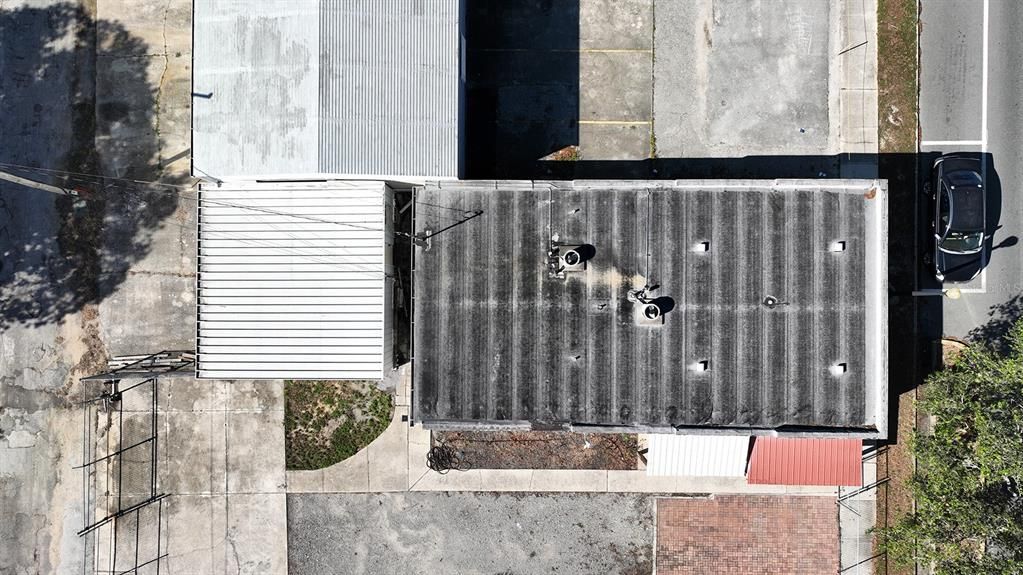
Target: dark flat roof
498,340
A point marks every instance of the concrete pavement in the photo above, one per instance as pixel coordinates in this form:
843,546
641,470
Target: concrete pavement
470,533
967,106
733,79
736,78
220,460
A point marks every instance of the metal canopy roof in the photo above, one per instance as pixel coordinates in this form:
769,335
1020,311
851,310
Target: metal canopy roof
498,340
292,281
697,455
806,461
290,88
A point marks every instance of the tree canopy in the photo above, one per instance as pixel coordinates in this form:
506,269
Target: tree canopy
969,512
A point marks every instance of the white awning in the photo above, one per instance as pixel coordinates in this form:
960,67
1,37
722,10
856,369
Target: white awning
292,280
697,455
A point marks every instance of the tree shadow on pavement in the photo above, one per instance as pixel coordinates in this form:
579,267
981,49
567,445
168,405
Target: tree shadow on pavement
1001,318
60,253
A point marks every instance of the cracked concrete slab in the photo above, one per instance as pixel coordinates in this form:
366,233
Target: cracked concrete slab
625,141
616,24
221,460
735,78
404,533
615,86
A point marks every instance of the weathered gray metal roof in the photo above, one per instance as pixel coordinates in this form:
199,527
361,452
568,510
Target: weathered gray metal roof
499,340
287,88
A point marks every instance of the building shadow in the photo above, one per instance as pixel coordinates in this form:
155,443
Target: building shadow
522,84
78,105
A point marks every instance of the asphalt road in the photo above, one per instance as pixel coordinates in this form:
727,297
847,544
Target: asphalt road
966,106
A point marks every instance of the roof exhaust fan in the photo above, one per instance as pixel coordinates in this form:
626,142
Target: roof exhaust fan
562,258
572,259
647,310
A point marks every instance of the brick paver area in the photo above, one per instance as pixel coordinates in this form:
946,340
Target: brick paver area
747,534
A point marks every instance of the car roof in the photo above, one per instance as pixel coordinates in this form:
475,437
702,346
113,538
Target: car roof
967,208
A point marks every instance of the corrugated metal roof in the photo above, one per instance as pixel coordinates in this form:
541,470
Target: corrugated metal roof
799,461
351,87
498,339
697,455
292,280
389,83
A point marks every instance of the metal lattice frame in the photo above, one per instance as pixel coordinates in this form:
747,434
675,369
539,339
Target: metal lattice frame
123,520
161,364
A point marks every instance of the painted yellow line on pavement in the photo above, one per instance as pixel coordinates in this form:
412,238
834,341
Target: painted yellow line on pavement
617,122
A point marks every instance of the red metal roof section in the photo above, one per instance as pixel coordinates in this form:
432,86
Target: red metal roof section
783,461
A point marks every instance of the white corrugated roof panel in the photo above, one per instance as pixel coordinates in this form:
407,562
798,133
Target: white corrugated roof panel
284,88
697,455
292,280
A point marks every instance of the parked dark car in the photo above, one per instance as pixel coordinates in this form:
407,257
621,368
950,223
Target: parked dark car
960,215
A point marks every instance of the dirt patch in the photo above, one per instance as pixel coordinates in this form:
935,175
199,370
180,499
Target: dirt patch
894,498
897,30
326,422
950,350
566,154
542,449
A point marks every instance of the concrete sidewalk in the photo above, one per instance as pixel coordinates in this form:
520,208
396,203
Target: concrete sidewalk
857,61
396,461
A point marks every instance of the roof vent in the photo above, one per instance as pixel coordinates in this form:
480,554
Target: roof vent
701,246
837,246
649,310
771,302
702,365
572,260
563,258
839,369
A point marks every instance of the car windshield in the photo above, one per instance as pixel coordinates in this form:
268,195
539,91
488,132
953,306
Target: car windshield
962,243
965,178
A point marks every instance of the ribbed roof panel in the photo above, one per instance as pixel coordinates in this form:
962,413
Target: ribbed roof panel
277,300
697,455
389,87
797,461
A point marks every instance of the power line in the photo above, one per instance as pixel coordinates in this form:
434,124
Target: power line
181,191
93,176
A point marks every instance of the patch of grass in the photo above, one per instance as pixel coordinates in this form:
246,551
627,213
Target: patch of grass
897,31
329,421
